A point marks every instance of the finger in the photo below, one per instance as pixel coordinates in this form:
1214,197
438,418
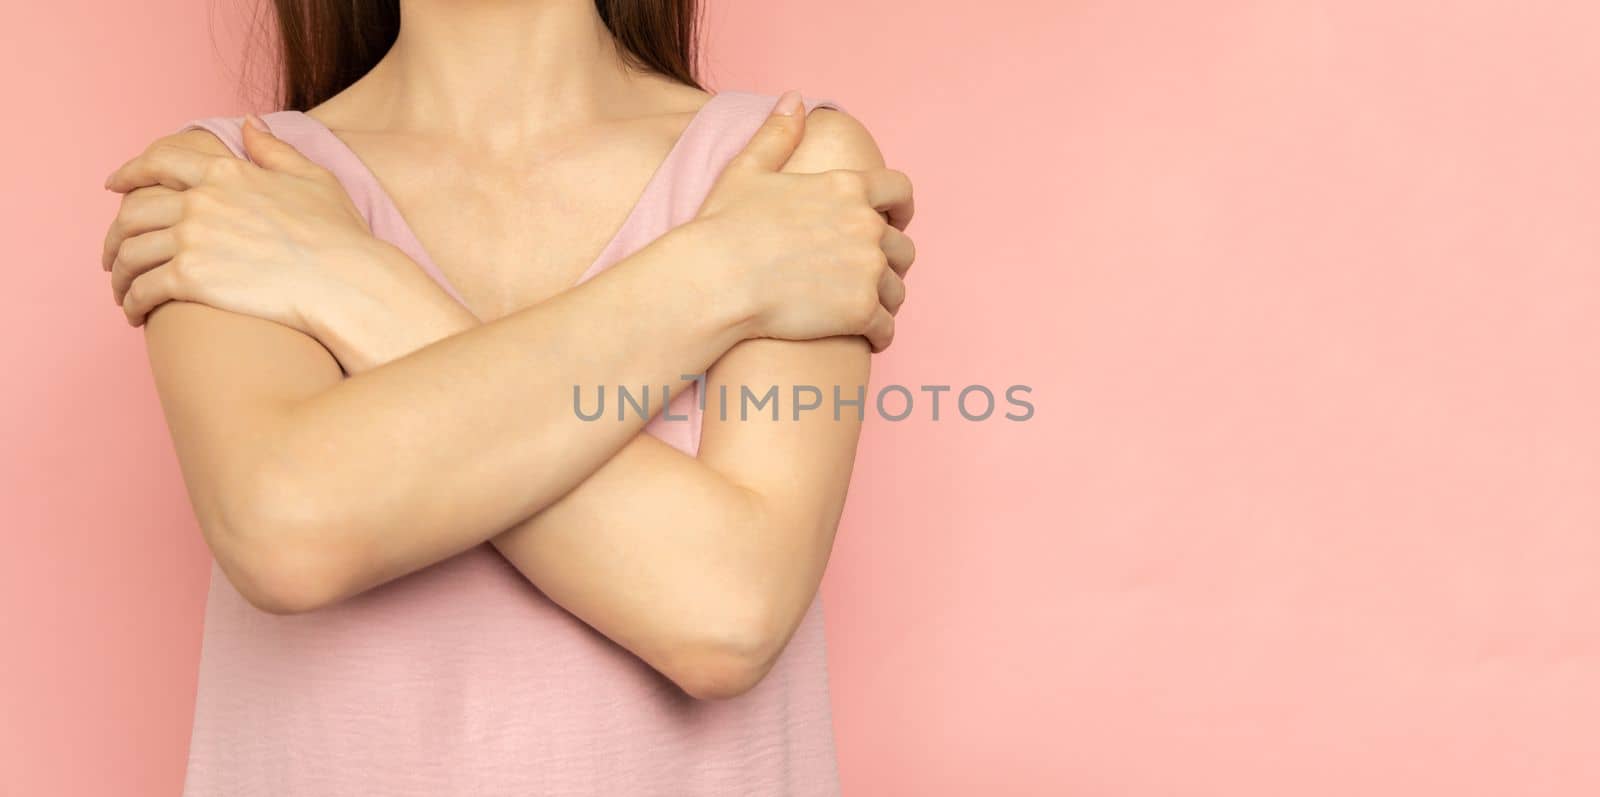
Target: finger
880,331
899,250
271,152
769,149
891,291
151,290
178,168
139,255
146,209
889,191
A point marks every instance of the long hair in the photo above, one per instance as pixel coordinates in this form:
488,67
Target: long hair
326,45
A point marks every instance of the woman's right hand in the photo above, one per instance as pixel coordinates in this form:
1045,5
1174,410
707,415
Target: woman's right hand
821,255
274,236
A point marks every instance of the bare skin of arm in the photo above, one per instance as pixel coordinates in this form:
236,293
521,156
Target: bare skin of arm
726,550
312,487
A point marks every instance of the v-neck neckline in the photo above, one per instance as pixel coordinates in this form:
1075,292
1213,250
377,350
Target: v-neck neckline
384,203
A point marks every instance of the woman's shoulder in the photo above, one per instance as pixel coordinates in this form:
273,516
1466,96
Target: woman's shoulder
212,133
212,139
834,139
759,104
228,131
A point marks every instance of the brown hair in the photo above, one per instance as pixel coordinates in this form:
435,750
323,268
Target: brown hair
325,45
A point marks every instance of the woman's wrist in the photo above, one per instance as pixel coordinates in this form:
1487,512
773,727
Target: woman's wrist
394,309
390,310
721,277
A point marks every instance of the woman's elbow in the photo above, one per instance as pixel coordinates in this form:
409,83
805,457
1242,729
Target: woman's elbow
727,659
286,579
719,675
278,553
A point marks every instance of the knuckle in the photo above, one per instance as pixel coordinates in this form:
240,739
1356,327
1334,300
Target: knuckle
133,295
220,168
873,257
867,220
863,306
183,233
846,183
178,272
161,156
883,328
198,201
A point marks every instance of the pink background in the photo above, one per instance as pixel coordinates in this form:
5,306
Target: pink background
1309,294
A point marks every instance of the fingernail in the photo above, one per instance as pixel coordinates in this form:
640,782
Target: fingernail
255,122
788,104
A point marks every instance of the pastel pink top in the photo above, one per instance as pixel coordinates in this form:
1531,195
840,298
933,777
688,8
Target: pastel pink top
463,679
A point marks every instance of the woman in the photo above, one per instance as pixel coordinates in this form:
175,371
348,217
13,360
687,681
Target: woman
377,335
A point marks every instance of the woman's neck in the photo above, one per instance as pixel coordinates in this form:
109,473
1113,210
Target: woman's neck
497,70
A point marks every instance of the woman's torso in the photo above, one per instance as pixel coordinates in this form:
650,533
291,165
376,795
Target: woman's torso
462,679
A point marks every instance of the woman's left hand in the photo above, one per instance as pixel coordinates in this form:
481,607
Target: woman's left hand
277,238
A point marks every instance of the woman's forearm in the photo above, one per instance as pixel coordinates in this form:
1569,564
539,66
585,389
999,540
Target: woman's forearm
700,576
418,459
311,487
690,563
672,561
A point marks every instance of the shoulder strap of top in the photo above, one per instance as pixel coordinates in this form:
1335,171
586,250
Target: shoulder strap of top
228,129
290,126
313,141
721,130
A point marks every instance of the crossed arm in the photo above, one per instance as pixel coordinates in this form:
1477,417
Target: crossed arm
312,487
